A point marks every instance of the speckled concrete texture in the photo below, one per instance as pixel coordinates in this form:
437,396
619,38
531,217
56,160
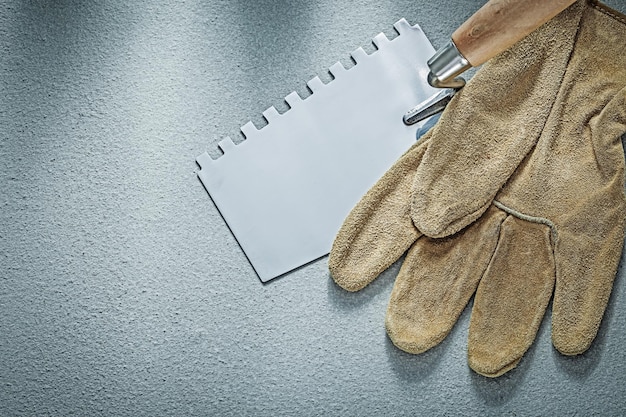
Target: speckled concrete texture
123,293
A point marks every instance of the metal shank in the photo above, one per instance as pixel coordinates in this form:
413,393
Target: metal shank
429,107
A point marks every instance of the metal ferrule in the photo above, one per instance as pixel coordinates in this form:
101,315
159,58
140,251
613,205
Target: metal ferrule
445,67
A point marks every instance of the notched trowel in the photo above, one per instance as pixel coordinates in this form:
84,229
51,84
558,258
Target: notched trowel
285,190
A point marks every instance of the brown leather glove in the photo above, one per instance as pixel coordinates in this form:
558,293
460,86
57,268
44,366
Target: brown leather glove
517,193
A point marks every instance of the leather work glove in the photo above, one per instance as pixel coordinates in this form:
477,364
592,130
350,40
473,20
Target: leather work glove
515,195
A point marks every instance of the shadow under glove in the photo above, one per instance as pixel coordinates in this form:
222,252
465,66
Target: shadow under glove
516,193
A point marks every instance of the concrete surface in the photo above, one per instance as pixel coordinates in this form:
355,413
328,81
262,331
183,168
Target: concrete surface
122,291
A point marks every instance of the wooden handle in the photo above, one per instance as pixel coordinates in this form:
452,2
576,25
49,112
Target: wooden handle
499,24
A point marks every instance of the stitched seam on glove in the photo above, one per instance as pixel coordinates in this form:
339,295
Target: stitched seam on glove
608,11
529,218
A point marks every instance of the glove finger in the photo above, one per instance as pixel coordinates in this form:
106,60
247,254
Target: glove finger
588,253
379,228
512,297
436,280
591,239
490,126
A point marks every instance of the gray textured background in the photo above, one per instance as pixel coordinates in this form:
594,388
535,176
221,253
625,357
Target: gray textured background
122,291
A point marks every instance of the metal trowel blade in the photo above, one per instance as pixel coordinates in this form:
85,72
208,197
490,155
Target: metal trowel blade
285,190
